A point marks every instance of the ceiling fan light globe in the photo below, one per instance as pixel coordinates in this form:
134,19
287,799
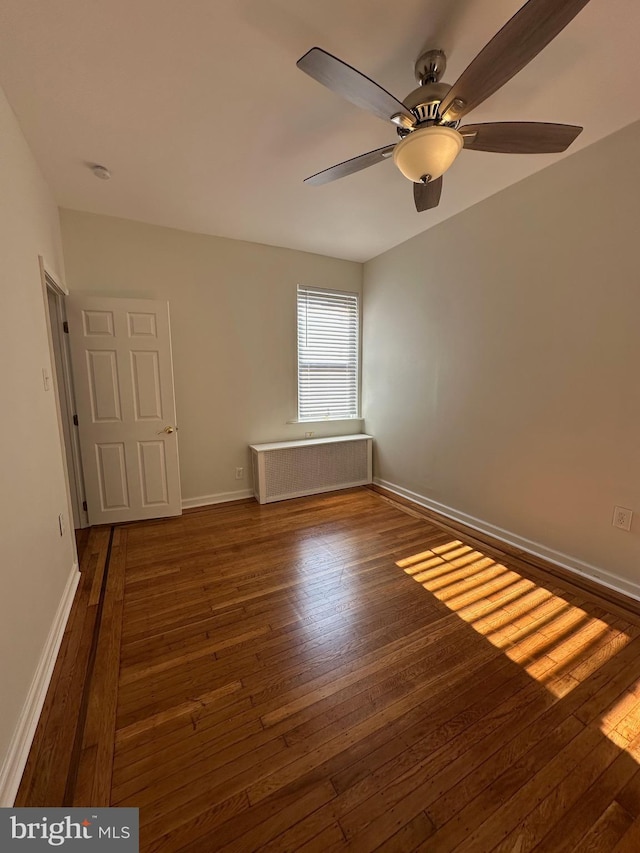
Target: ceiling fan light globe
427,151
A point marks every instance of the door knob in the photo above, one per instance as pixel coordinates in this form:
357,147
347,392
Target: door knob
167,429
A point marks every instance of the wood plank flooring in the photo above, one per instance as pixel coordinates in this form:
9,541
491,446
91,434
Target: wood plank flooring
343,671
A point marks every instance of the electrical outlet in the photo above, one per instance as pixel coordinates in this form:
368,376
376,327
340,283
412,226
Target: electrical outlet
239,473
46,379
308,435
622,518
61,524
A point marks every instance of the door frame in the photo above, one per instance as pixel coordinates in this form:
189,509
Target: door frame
65,399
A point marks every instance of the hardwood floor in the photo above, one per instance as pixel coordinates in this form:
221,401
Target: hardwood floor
342,672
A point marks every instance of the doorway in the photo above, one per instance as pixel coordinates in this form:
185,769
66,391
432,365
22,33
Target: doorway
65,399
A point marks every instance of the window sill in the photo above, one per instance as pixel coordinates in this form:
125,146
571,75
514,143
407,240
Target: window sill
326,421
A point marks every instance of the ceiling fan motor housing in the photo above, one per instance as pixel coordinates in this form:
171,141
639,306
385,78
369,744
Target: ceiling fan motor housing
424,102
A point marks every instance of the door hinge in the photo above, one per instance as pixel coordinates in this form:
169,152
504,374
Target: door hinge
84,506
65,327
75,420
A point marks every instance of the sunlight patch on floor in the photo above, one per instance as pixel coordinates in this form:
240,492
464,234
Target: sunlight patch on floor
543,629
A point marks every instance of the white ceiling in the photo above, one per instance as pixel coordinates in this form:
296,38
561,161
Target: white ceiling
207,125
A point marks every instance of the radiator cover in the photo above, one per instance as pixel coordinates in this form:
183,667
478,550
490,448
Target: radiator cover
291,469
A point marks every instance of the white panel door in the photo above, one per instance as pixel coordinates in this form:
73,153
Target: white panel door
121,358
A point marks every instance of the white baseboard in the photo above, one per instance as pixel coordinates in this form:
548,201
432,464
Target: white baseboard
564,561
16,757
220,498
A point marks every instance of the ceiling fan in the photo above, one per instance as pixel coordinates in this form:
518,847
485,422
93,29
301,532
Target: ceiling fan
428,119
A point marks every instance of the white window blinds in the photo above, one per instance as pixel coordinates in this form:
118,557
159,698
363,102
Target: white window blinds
328,345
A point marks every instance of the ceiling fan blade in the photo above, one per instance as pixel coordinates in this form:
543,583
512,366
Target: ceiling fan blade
352,85
519,137
427,196
348,167
530,30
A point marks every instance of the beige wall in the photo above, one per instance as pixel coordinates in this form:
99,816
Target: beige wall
35,561
502,357
233,324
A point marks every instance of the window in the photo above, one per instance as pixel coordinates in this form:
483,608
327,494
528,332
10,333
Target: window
328,345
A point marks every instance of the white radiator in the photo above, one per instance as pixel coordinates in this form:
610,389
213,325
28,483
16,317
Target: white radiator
290,469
